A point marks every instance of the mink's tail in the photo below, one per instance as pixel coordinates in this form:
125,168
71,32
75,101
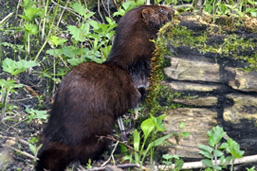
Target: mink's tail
54,157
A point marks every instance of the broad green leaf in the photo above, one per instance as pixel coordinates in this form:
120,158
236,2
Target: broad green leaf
54,52
31,13
185,134
206,154
154,143
147,127
158,122
38,114
79,34
27,3
120,12
207,162
129,5
75,61
178,163
106,51
111,22
127,157
157,142
94,24
8,85
234,148
31,28
16,67
71,51
205,148
215,135
82,11
126,6
56,41
24,17
228,159
167,156
182,125
140,2
223,146
217,153
217,168
33,149
251,2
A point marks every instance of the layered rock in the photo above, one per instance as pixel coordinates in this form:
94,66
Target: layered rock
215,91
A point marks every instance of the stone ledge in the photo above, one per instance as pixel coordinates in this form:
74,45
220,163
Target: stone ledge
198,122
193,70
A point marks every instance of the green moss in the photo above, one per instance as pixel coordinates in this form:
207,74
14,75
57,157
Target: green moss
157,92
232,45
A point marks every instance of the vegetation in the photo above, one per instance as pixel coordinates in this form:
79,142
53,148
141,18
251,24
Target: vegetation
52,37
215,150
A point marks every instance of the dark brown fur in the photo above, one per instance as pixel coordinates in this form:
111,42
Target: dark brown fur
92,96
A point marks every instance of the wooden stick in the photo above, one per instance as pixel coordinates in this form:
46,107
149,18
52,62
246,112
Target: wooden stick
21,152
5,18
196,165
111,156
122,166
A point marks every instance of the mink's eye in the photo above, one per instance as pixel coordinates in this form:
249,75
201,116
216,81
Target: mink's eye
161,10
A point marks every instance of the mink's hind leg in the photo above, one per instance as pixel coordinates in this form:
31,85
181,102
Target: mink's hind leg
91,150
54,157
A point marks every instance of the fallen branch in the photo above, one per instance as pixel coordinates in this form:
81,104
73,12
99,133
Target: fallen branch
111,156
113,139
196,165
21,152
5,18
121,166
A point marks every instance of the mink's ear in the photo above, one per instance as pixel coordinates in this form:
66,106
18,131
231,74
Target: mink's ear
146,14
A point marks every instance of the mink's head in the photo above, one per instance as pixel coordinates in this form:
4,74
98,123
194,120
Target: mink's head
156,16
134,31
143,18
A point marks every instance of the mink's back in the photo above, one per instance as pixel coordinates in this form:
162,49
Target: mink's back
90,98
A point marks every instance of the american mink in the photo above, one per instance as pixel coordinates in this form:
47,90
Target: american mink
92,96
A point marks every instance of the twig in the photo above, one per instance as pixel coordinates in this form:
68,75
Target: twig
99,11
115,3
21,152
113,139
22,141
183,6
115,146
68,9
196,165
5,18
122,166
17,9
63,12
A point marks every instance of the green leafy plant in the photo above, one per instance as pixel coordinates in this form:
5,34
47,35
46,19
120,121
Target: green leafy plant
7,87
218,154
126,6
181,134
149,127
16,67
251,169
96,35
35,114
30,27
168,161
34,149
